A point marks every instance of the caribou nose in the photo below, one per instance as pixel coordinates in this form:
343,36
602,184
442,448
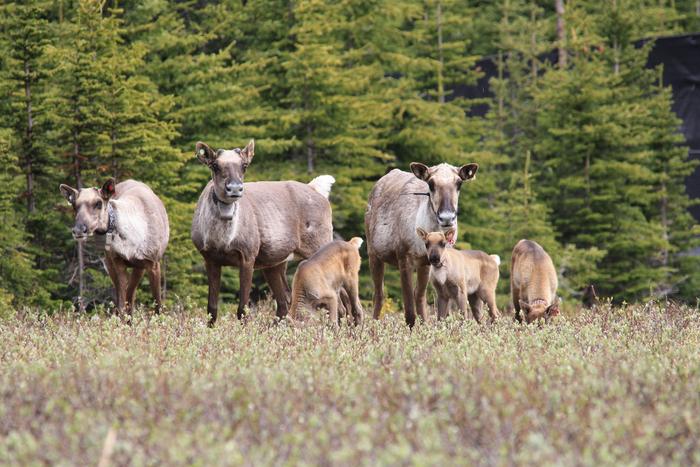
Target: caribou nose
234,189
79,230
447,218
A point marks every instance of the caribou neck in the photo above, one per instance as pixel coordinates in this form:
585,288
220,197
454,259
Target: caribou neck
226,212
425,218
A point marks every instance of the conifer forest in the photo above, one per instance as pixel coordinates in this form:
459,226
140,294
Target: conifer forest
582,153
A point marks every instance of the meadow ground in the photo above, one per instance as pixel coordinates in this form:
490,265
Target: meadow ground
611,386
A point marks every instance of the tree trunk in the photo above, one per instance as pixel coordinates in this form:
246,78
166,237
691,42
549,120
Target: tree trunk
587,178
29,137
533,44
664,225
79,185
561,33
310,149
441,62
81,277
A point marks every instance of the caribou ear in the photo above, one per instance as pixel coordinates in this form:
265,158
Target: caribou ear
420,170
108,189
450,235
248,152
70,193
468,171
421,233
553,309
204,153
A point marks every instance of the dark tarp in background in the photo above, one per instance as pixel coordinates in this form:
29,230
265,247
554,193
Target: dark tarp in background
680,57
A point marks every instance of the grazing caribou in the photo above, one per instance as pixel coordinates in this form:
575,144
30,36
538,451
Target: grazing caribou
259,225
320,279
533,282
400,203
461,275
136,225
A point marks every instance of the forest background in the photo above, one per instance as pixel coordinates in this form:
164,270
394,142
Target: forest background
582,155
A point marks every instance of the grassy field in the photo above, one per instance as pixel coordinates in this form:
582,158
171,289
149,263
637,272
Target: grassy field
611,386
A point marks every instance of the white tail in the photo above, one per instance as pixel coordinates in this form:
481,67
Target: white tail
323,184
356,242
497,259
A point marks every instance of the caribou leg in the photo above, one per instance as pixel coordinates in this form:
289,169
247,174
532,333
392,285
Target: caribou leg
516,303
136,276
355,304
121,284
246,283
475,303
276,278
154,275
443,303
421,289
376,267
214,279
406,270
490,298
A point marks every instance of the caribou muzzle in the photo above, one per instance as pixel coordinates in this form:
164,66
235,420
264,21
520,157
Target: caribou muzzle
447,218
234,190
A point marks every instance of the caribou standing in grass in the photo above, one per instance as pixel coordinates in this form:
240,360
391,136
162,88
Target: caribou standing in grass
259,225
400,203
461,275
136,226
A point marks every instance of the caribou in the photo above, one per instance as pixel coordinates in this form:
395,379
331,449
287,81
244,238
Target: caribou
319,280
533,283
258,225
135,224
400,203
461,275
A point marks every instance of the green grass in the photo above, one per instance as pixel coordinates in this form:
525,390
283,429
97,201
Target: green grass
611,386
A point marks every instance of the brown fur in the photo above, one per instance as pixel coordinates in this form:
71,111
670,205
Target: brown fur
533,282
394,212
140,237
262,227
328,273
461,275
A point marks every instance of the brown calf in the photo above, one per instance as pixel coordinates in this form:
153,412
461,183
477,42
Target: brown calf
327,273
461,275
533,282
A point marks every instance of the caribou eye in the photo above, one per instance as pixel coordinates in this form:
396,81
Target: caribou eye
244,167
215,167
98,205
442,244
431,185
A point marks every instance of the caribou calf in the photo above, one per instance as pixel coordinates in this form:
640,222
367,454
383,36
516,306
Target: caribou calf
136,225
259,225
533,282
461,275
320,279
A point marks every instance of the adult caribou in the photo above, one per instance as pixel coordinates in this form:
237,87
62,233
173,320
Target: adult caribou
400,203
264,228
135,224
